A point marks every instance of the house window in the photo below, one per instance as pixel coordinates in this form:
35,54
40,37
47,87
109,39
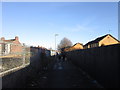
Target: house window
91,45
95,44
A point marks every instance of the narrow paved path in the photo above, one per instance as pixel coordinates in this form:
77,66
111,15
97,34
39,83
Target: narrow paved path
63,74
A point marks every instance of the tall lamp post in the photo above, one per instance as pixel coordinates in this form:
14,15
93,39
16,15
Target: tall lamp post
55,42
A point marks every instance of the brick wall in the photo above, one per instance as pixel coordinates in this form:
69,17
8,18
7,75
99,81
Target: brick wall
16,47
108,40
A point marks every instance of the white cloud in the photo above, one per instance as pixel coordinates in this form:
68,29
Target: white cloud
80,28
87,25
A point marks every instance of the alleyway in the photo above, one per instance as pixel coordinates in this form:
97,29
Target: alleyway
63,74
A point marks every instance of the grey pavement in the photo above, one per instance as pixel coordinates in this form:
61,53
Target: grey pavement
63,74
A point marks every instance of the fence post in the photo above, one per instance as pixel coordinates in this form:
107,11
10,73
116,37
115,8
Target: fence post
23,55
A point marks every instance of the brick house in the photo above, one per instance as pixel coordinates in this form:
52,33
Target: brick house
74,47
10,46
101,41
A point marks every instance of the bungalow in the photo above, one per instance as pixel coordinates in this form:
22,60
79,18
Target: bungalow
102,41
74,47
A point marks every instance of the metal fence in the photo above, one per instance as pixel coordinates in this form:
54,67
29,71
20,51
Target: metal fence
13,56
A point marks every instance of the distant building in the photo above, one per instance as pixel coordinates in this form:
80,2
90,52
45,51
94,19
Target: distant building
34,50
40,50
52,52
10,46
74,47
47,52
101,41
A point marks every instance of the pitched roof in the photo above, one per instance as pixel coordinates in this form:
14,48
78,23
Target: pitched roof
9,40
73,45
68,47
76,44
99,39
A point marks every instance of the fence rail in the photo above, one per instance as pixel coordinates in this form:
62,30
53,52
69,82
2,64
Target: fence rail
13,56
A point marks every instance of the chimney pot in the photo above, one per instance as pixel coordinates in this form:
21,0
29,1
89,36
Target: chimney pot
16,38
2,38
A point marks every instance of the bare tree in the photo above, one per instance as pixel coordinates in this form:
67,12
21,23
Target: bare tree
65,42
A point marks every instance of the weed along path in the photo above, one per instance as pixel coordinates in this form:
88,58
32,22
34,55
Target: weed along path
63,74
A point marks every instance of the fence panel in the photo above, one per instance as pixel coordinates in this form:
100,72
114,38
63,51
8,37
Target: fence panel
13,56
102,63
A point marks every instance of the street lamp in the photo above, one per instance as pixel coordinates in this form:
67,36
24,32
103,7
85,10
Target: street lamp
55,42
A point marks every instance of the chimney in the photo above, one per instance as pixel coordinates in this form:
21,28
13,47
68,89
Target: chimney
16,38
2,38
